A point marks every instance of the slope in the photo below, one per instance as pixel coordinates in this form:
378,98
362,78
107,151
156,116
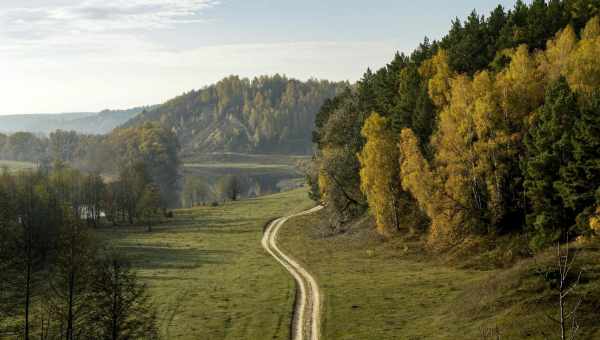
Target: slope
263,115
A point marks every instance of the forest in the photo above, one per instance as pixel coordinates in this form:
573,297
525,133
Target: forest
268,114
57,279
109,155
492,130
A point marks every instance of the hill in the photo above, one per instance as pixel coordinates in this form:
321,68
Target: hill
81,122
268,114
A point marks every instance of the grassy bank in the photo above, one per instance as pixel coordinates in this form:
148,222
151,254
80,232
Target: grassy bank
375,289
209,276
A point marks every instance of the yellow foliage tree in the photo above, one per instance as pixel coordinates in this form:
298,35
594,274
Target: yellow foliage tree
426,187
439,74
555,61
490,147
595,221
479,137
520,88
583,71
416,175
379,173
592,29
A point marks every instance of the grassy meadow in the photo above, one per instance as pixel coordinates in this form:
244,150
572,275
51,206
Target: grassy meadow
376,289
209,276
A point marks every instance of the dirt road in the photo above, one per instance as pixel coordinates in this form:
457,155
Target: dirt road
307,312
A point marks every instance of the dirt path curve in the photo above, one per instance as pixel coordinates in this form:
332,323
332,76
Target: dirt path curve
307,312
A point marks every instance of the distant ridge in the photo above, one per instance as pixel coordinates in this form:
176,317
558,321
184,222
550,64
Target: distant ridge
82,122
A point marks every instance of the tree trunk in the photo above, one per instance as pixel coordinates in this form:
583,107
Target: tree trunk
115,332
28,290
71,302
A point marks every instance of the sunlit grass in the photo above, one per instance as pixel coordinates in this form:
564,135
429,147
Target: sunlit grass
375,289
208,274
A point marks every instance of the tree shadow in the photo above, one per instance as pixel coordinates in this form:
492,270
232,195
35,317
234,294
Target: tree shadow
146,257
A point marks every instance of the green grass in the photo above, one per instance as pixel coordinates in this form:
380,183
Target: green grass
233,157
209,276
215,170
376,289
236,165
16,166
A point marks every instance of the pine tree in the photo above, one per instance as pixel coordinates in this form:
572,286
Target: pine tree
120,306
579,184
548,150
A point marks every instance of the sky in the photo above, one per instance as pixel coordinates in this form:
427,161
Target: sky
90,55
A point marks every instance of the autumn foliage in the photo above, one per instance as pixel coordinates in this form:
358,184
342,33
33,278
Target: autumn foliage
511,147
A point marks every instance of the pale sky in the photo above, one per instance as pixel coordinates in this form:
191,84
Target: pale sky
89,55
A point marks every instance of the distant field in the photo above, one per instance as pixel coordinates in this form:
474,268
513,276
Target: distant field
208,274
233,157
262,174
236,165
16,166
388,290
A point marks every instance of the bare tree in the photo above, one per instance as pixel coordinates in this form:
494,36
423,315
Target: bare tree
567,319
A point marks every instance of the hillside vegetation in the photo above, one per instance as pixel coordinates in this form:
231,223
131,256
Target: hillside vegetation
492,130
483,150
391,289
263,115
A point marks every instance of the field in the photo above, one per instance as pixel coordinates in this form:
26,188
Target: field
15,166
209,276
234,157
375,289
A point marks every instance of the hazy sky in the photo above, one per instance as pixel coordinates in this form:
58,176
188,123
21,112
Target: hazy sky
88,55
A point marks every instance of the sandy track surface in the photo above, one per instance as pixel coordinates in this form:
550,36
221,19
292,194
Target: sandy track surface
307,311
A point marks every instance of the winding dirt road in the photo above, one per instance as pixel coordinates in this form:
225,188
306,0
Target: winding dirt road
307,312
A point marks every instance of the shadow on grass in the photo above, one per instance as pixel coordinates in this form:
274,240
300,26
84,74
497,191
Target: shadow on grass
151,257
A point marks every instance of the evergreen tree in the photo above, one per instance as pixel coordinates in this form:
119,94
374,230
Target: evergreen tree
548,150
120,306
579,184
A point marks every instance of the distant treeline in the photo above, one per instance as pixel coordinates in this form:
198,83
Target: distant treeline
150,145
494,129
263,115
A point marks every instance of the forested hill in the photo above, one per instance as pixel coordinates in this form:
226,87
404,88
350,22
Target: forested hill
85,123
268,114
